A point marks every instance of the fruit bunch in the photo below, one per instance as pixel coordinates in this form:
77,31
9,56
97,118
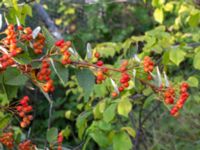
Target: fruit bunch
11,41
148,66
6,61
23,110
27,34
26,145
63,47
124,79
44,76
66,58
100,77
182,99
169,95
45,72
60,140
38,44
7,140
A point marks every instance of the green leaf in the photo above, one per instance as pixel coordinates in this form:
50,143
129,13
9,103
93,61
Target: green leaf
169,7
177,56
61,71
108,49
157,3
196,62
15,5
99,109
100,138
27,10
80,45
52,135
194,19
193,81
4,121
81,123
86,80
158,15
23,58
68,114
109,113
12,91
124,107
121,141
12,76
49,39
66,132
130,131
4,99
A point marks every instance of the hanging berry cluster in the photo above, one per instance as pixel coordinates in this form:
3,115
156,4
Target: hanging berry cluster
169,95
24,110
64,46
44,76
100,77
148,65
27,34
26,145
7,140
60,140
38,44
182,99
6,61
101,71
124,79
11,41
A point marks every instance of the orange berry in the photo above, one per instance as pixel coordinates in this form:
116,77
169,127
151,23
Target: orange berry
114,94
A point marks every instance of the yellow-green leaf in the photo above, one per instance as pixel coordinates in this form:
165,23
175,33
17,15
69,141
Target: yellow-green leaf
130,131
124,107
169,7
158,15
193,81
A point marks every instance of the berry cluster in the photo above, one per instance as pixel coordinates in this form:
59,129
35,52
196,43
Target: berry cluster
7,140
6,61
27,34
125,78
148,65
100,76
38,44
182,99
26,145
66,58
44,76
169,95
23,111
45,72
64,46
60,140
11,40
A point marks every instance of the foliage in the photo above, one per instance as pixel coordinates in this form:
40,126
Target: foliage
88,116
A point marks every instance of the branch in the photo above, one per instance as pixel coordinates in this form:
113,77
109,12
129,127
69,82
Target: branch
150,113
47,20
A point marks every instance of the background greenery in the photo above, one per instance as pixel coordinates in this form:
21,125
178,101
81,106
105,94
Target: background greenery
167,30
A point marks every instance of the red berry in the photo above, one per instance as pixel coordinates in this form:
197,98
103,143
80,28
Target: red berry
59,43
121,89
20,27
99,63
